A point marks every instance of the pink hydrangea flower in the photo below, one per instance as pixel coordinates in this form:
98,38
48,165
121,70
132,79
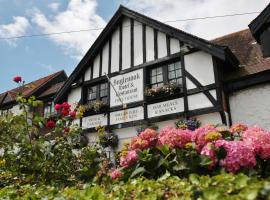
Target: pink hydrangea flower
259,139
174,137
208,150
129,160
149,135
115,174
138,143
238,128
199,135
239,155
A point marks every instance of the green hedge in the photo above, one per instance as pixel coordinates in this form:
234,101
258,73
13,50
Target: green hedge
224,186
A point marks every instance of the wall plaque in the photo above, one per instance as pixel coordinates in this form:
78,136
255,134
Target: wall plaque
94,121
165,108
127,115
129,86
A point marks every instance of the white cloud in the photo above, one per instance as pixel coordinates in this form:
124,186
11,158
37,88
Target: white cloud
16,28
54,6
79,15
165,10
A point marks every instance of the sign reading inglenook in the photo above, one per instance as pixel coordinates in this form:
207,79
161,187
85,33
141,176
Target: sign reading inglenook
129,87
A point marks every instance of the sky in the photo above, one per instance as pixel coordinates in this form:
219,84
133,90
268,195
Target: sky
35,57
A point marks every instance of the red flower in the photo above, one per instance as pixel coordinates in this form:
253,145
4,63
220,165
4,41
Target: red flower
66,105
66,130
17,79
65,112
50,124
72,114
57,107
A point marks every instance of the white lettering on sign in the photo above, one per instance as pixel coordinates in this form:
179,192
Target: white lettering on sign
165,108
129,86
94,121
122,116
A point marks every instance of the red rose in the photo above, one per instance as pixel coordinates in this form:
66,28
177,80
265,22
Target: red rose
66,105
57,107
66,130
17,79
72,114
50,124
65,112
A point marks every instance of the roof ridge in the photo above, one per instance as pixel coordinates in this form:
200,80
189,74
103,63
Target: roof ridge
53,75
229,34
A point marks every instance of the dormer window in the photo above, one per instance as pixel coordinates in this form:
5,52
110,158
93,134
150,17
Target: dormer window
165,74
98,93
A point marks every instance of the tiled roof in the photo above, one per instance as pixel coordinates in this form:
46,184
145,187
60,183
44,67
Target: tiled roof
29,88
52,90
247,51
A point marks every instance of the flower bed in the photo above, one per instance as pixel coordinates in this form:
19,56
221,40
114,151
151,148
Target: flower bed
206,150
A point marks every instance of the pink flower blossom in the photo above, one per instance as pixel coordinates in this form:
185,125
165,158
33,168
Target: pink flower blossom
239,155
259,139
199,136
208,150
115,174
129,160
174,137
149,135
238,128
138,143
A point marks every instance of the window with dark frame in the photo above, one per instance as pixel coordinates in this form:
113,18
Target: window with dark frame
169,73
49,109
98,92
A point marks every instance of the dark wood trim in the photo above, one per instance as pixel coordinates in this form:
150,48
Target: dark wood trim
203,111
248,81
199,85
184,85
168,43
130,105
110,56
100,62
199,90
155,44
144,42
223,118
131,42
92,70
218,81
120,45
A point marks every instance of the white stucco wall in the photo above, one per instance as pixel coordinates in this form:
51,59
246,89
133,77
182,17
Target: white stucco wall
74,95
15,110
200,65
252,106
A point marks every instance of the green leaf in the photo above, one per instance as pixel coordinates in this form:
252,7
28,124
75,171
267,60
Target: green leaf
138,171
205,160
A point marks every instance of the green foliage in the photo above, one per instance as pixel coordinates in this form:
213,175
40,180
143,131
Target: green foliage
223,186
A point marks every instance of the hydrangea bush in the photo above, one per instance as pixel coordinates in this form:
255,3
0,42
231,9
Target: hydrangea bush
205,150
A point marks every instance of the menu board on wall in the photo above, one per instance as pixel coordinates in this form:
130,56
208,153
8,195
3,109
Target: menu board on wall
165,108
94,121
127,115
129,88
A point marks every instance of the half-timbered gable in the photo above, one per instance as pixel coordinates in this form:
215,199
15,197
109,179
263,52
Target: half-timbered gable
141,55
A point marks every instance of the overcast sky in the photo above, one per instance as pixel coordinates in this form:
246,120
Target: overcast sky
35,57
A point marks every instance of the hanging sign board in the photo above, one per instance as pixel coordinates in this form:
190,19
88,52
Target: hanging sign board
129,87
127,115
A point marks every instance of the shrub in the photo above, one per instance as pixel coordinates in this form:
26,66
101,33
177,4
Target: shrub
206,150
